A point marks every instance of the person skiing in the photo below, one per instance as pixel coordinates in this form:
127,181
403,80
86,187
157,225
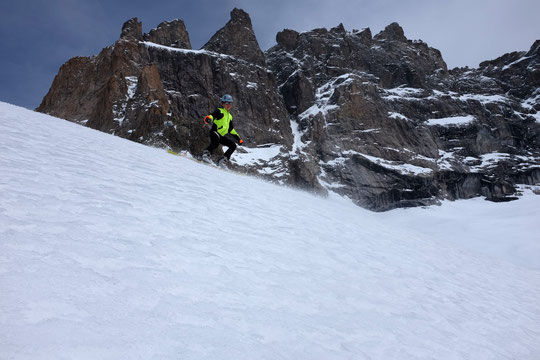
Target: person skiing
221,122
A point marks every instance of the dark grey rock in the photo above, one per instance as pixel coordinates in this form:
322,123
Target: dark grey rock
287,39
392,32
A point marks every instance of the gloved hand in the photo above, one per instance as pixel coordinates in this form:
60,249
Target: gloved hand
240,141
208,121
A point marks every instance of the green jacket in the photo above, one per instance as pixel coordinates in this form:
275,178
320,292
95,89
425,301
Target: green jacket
223,122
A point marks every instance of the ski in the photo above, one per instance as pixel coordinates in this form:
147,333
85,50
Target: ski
187,155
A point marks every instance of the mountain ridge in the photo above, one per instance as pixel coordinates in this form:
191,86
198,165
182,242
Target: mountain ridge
352,112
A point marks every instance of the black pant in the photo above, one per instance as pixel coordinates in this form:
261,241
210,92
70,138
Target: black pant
216,139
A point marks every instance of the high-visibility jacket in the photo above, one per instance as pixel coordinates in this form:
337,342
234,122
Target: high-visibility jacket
223,122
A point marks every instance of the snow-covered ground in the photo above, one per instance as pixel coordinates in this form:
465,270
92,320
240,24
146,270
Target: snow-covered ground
508,231
113,250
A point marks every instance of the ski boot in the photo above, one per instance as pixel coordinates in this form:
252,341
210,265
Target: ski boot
206,157
222,162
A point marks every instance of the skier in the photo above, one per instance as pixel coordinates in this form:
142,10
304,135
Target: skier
221,121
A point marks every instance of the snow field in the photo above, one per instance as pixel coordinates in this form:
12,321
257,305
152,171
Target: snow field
113,250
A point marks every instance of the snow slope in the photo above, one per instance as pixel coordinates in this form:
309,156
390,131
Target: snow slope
113,250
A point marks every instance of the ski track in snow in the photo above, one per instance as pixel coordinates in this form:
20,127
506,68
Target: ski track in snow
111,250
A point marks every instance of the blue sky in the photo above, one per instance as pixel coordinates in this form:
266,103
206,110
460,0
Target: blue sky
38,36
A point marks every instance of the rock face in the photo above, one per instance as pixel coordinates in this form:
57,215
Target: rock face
132,29
379,119
152,88
173,34
237,38
384,122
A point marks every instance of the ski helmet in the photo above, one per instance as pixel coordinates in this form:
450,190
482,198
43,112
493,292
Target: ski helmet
226,98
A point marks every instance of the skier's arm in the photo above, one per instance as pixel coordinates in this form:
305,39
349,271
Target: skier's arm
216,115
234,133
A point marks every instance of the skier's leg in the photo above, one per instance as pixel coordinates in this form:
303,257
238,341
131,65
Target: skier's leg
214,141
230,144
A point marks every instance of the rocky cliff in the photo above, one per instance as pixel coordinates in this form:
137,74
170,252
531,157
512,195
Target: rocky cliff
379,119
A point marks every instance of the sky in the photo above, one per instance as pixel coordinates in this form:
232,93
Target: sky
38,36
111,249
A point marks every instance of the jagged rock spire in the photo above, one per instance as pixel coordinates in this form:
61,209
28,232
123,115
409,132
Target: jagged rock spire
363,35
132,29
340,29
287,38
535,49
392,32
170,33
237,38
